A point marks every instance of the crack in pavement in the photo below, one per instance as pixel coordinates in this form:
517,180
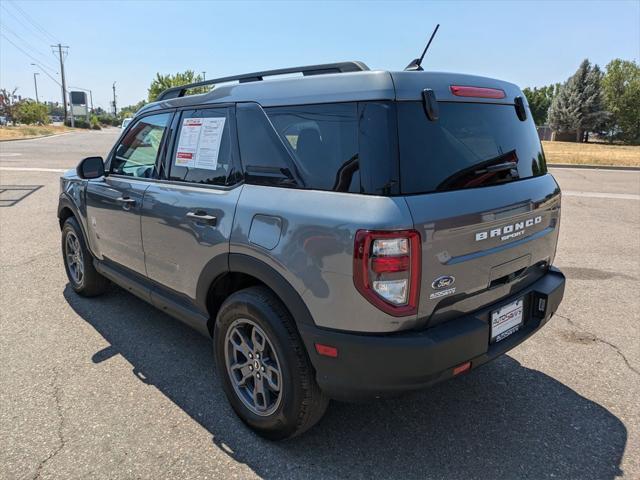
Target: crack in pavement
598,339
61,419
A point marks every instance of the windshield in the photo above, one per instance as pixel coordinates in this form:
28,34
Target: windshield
471,145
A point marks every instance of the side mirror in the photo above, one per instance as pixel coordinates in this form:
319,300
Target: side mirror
90,167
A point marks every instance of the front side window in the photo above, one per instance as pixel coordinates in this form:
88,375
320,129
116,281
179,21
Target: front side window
204,150
137,152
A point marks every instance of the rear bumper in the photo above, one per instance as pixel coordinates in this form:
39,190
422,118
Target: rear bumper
377,365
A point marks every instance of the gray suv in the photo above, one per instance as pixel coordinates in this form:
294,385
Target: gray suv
344,234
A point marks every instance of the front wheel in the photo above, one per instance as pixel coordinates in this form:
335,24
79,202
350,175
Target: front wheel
263,366
78,262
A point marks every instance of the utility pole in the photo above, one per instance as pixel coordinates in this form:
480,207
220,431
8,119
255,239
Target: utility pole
35,83
204,75
115,109
64,83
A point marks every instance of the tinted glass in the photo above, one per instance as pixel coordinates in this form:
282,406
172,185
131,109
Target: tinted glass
323,140
264,156
137,152
203,150
378,139
471,145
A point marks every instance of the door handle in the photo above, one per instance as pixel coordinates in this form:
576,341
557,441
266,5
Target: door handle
126,202
202,217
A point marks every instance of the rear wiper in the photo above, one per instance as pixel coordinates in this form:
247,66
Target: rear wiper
497,168
484,173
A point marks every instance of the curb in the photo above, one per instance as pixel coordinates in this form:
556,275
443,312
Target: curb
34,138
594,167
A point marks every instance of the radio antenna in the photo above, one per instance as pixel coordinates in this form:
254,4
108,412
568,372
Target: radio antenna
416,65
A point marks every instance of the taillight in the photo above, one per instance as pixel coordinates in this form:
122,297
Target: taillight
479,92
386,269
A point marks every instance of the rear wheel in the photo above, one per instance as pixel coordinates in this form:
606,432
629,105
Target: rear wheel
263,366
78,262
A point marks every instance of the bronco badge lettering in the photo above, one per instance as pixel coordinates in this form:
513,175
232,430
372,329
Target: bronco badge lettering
508,232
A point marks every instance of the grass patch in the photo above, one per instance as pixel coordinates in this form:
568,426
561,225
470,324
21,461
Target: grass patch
592,154
30,131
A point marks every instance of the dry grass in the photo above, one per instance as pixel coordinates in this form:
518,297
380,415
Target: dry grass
30,131
591,153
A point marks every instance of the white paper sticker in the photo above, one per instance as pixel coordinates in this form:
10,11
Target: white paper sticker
199,143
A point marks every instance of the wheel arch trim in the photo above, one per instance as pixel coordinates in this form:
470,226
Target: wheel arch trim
292,300
64,202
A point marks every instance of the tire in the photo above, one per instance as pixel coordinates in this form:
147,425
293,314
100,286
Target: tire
298,404
88,283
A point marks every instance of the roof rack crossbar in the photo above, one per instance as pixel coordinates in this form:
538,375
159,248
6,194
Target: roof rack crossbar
341,67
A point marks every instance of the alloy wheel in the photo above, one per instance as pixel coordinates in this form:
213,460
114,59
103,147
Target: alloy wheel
253,367
73,254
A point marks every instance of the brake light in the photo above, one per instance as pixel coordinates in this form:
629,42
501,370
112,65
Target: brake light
479,92
386,269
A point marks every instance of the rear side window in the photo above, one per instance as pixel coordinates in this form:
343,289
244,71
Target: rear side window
341,147
204,150
265,159
323,140
471,145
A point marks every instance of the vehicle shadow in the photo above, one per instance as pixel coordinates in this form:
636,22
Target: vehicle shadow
501,421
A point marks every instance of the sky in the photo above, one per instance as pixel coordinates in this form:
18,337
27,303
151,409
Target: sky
528,43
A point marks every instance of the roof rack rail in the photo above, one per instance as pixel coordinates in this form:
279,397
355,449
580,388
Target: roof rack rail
341,67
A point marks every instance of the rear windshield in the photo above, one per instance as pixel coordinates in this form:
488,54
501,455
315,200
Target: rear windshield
471,145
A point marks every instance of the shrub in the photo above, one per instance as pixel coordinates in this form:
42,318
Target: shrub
79,123
94,123
30,112
109,120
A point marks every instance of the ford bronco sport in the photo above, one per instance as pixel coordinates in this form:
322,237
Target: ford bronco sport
347,234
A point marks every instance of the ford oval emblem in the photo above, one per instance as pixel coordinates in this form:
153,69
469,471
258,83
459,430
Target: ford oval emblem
444,281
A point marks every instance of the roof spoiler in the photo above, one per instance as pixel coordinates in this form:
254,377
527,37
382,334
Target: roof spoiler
341,67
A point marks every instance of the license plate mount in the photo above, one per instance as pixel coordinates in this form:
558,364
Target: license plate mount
507,320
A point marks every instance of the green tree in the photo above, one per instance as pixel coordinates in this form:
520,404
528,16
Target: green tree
579,105
55,109
621,88
130,110
8,103
539,100
30,112
162,82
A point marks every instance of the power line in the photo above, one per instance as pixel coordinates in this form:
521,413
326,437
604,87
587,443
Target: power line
47,74
30,47
32,21
20,48
24,25
32,58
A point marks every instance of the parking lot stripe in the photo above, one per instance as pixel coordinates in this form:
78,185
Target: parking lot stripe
33,169
619,196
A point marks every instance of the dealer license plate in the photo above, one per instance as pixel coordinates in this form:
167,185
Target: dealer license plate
506,320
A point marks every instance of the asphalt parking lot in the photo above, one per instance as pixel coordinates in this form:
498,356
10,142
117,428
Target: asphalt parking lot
112,388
